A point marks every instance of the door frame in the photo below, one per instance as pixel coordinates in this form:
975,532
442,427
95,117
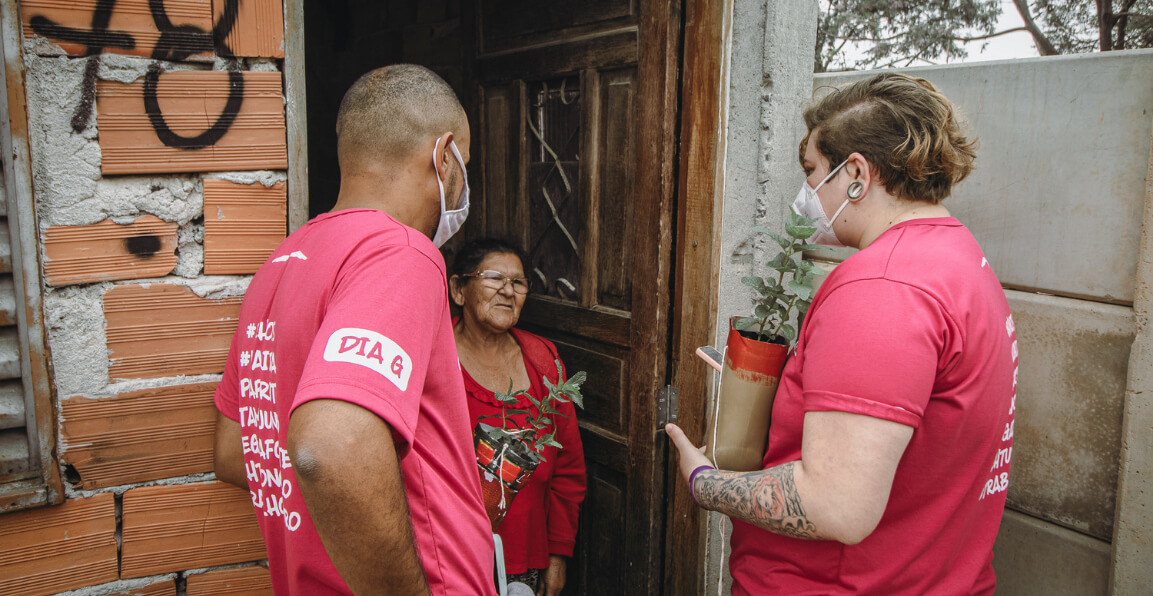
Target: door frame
697,256
295,113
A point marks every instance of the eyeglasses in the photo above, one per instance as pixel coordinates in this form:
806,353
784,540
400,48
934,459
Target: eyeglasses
496,280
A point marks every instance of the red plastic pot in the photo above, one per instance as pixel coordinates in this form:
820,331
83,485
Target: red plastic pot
505,465
738,424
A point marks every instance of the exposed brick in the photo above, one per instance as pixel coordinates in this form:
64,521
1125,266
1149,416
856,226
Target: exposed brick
139,436
246,581
165,587
130,20
53,549
243,224
163,330
259,29
109,251
173,528
194,107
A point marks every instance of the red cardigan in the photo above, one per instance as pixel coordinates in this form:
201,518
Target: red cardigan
542,519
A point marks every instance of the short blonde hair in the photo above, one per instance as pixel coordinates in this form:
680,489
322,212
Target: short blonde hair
907,130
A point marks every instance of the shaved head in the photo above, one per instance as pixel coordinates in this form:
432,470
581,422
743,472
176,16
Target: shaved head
391,112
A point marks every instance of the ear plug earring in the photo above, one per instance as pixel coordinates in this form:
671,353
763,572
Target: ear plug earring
856,190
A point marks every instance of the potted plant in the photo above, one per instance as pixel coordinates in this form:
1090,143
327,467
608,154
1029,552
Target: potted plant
756,350
508,454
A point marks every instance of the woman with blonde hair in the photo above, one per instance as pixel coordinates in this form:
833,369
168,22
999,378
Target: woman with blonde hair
888,453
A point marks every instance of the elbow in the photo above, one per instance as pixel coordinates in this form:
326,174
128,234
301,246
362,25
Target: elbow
853,527
308,458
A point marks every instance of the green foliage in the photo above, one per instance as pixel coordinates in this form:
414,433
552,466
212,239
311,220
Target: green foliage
869,34
894,33
1075,26
788,287
538,431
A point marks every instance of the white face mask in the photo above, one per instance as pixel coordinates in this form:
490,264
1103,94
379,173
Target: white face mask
450,221
808,204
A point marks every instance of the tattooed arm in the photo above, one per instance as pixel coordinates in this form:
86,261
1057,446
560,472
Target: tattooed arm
767,499
836,491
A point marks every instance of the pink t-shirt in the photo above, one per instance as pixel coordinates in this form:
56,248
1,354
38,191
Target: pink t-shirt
354,306
914,329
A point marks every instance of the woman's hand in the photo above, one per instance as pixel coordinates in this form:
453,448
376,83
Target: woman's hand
692,457
553,581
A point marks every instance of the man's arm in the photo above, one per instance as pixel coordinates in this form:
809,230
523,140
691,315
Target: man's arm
229,457
350,478
838,490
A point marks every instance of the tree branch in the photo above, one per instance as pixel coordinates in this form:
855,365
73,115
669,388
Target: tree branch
1044,46
1105,21
991,35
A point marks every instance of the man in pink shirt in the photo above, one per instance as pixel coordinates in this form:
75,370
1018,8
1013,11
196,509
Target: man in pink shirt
342,408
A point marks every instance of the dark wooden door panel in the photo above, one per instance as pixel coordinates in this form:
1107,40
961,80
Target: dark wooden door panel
600,566
511,24
616,187
575,102
607,369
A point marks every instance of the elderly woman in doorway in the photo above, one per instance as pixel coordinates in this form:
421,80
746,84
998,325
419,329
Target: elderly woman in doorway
887,461
489,285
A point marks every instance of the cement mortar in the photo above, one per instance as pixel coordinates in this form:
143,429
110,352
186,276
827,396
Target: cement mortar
65,165
190,250
124,586
123,488
266,177
74,319
216,287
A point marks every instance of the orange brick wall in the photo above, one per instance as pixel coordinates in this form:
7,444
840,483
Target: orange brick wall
160,164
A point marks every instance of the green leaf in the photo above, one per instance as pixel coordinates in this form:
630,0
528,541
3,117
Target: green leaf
801,290
744,323
809,247
789,333
762,311
783,242
552,442
757,283
780,263
575,381
801,232
799,227
516,412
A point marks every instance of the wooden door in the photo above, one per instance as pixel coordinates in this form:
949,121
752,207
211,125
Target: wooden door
573,104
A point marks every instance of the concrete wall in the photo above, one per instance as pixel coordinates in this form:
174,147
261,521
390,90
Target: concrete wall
1057,202
770,78
142,288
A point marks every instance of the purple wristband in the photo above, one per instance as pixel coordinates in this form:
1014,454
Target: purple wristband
693,478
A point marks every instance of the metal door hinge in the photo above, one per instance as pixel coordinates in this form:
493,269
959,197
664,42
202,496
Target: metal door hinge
666,406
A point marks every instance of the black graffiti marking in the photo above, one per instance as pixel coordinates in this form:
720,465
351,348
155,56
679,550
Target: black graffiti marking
94,41
204,139
144,247
176,43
